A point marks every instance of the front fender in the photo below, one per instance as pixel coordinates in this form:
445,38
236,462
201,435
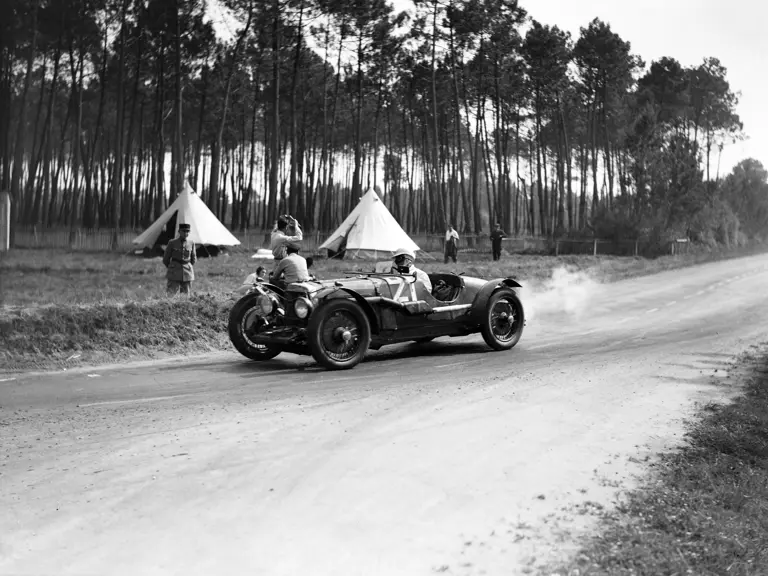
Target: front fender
481,298
276,289
367,308
259,287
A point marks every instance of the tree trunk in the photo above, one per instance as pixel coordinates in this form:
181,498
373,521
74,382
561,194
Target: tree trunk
275,143
76,142
356,177
18,149
117,174
177,155
293,204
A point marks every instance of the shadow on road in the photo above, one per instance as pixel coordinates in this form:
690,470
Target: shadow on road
436,349
292,364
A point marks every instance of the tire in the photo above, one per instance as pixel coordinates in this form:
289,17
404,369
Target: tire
242,314
499,332
339,334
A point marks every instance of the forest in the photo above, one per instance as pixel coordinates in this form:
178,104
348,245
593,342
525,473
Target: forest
457,111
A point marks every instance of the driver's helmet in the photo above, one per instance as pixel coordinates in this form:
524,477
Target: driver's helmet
404,259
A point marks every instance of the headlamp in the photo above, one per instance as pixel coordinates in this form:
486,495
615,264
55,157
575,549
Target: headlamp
264,303
302,307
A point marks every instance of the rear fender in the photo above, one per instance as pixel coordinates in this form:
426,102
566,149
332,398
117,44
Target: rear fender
481,298
367,308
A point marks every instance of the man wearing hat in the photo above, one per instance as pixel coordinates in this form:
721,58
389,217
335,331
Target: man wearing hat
403,263
496,237
179,259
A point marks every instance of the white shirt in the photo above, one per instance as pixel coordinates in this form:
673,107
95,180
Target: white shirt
279,240
294,266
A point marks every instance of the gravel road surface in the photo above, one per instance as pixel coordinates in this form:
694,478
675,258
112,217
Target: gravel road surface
437,458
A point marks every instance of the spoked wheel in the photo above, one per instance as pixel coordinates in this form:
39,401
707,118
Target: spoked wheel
339,334
245,320
504,320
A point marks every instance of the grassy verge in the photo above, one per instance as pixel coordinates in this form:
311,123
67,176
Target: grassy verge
30,278
61,336
705,509
59,307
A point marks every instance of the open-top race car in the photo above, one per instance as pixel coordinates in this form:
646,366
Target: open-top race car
337,321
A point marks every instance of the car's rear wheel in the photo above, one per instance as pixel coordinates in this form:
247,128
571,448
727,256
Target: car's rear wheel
339,334
504,319
245,319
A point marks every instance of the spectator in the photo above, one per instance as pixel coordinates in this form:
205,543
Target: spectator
179,259
451,244
287,232
496,237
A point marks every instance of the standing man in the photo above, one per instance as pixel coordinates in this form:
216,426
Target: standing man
451,244
179,259
496,237
286,233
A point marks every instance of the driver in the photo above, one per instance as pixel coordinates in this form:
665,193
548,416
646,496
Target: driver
403,264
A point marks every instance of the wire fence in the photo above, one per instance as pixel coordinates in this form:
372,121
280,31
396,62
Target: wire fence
97,240
638,247
101,240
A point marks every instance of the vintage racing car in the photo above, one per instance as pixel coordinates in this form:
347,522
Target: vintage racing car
337,321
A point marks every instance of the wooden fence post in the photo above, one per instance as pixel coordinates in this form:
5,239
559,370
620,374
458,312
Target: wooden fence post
635,248
594,247
557,247
5,221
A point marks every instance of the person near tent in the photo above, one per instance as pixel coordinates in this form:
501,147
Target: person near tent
287,232
451,244
496,236
179,259
292,268
403,263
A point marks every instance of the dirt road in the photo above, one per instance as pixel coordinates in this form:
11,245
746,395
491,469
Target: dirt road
440,458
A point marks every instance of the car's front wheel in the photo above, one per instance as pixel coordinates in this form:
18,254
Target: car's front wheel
339,334
503,321
245,319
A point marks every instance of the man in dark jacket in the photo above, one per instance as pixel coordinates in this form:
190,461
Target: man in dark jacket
496,236
179,259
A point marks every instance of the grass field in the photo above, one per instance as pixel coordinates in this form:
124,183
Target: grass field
30,278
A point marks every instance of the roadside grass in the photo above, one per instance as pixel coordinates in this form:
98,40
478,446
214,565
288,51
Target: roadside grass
49,337
704,509
58,306
30,278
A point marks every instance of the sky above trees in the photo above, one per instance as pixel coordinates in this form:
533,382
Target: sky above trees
688,30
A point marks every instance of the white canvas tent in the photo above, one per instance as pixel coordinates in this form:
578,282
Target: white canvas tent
188,208
369,229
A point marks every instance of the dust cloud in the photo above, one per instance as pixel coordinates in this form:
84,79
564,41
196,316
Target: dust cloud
566,293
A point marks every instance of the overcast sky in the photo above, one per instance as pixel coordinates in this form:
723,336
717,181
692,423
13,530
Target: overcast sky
689,30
